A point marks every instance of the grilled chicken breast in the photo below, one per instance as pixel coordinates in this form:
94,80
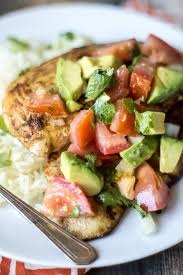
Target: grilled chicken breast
39,132
86,228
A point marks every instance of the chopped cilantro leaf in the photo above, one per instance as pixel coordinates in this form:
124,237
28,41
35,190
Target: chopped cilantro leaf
106,198
68,35
3,125
91,157
22,72
5,159
129,105
48,47
108,172
91,160
103,110
98,82
135,61
18,45
111,196
139,209
136,51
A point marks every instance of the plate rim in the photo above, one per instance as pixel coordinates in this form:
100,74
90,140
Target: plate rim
93,265
87,5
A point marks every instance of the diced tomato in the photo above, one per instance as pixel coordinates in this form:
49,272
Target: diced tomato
151,192
120,88
141,80
109,143
73,148
82,128
123,50
91,147
45,103
62,198
160,52
123,121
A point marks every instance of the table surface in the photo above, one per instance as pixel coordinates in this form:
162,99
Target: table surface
169,262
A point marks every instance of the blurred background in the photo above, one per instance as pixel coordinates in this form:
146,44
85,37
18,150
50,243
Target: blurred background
6,5
169,7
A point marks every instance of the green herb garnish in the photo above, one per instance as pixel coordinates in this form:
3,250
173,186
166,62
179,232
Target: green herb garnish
48,47
108,172
3,125
22,72
129,105
98,82
91,161
135,61
136,52
5,159
18,45
111,196
68,35
103,110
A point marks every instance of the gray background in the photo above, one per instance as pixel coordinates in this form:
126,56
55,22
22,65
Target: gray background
169,262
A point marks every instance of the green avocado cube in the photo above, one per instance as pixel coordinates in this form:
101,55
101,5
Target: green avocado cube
90,64
140,151
170,153
75,170
68,79
167,83
150,123
73,106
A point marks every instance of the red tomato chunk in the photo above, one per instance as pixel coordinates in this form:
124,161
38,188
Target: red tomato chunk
160,52
120,88
141,80
124,121
62,198
123,50
151,192
51,104
109,143
82,128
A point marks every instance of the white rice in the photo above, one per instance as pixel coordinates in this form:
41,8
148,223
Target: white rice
25,177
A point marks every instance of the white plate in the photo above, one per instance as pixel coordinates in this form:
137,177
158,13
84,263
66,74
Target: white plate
19,239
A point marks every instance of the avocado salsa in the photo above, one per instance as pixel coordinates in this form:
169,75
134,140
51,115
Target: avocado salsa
116,96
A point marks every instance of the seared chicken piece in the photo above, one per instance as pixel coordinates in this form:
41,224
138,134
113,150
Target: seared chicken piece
40,132
87,228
